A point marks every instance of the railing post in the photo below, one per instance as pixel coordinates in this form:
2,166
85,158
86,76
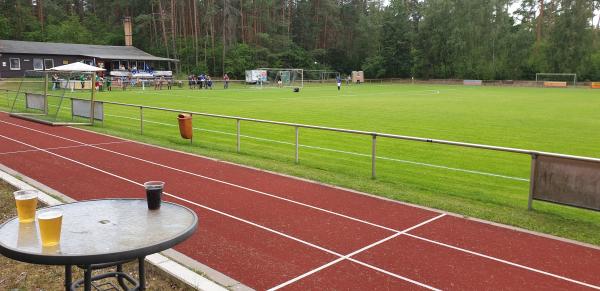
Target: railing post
531,181
373,156
238,135
141,120
297,143
192,137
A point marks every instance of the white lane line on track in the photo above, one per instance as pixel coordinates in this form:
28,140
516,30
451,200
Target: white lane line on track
200,205
504,261
66,147
292,201
398,233
340,151
216,180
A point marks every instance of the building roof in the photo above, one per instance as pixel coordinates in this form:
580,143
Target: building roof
70,49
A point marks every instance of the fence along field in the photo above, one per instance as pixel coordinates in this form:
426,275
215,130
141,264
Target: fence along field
490,185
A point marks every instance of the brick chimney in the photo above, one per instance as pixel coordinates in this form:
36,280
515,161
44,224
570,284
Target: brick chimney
127,27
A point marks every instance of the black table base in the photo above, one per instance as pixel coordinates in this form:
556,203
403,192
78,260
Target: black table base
121,276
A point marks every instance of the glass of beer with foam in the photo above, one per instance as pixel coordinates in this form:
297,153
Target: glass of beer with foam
50,222
26,204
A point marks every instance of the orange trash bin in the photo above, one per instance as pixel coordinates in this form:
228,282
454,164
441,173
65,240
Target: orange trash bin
185,125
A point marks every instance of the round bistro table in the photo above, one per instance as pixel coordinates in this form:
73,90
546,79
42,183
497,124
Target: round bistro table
101,233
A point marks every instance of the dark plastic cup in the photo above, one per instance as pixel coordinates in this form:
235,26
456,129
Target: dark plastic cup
154,191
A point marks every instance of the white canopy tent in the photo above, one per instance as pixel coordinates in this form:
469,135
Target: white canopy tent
77,67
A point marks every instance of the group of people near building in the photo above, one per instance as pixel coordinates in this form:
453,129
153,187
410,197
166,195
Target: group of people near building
160,81
105,83
99,84
201,81
204,81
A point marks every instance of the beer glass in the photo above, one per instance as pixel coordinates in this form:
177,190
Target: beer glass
153,193
26,204
50,222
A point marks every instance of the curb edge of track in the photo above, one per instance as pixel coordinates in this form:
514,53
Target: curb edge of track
173,263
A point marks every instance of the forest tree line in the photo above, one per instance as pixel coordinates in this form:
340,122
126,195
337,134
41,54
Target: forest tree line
463,39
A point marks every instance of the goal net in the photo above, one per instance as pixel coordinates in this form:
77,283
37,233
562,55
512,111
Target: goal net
320,76
556,79
50,97
280,77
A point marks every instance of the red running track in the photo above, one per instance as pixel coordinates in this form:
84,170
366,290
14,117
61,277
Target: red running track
270,231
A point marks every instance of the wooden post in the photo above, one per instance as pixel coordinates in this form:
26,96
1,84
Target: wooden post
46,93
373,156
297,144
238,135
532,181
93,98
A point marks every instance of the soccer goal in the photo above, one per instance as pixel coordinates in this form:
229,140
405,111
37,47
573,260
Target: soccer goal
320,76
280,77
556,79
55,97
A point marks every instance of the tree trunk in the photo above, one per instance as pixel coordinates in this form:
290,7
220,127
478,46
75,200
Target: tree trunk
164,29
243,26
196,30
212,37
40,14
224,36
174,32
540,21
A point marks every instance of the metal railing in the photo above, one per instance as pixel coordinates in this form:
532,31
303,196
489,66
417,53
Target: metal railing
297,126
374,136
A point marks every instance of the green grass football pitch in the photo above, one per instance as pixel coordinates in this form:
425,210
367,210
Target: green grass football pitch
473,182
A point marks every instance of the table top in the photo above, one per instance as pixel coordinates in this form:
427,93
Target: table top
101,231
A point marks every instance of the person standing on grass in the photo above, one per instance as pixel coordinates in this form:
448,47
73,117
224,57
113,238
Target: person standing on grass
54,82
109,83
97,83
156,83
208,82
225,81
160,82
202,81
82,80
339,82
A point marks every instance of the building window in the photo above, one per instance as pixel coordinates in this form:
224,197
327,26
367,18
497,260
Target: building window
48,64
15,63
38,64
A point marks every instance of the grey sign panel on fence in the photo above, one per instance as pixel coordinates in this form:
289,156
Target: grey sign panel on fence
567,181
81,108
35,101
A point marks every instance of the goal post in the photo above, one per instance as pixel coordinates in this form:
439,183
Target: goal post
283,77
556,79
321,76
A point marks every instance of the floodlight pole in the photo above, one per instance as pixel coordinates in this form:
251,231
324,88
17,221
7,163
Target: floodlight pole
93,98
45,92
